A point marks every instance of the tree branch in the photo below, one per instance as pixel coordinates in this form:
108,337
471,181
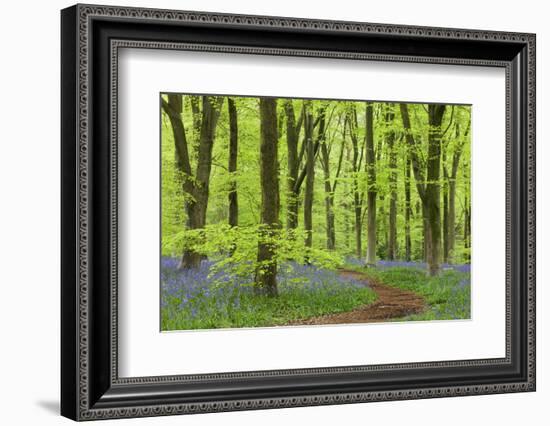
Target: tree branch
173,109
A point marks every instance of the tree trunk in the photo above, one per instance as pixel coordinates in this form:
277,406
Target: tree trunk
266,271
433,185
467,224
451,218
452,192
310,177
356,165
427,237
418,171
233,201
347,226
370,164
173,109
446,230
197,120
358,225
195,204
196,208
445,210
408,208
233,219
292,137
329,198
429,192
390,139
330,188
195,220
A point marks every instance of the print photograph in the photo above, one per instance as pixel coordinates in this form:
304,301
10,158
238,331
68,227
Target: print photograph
307,212
345,209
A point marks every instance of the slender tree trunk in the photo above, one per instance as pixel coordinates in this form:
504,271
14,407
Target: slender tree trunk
357,197
329,199
232,165
467,224
330,188
451,222
266,272
233,209
390,139
331,232
452,192
392,238
348,227
382,233
445,209
433,185
407,208
358,225
446,229
310,177
195,102
292,137
371,191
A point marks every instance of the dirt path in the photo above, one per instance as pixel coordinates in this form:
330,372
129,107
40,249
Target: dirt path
391,303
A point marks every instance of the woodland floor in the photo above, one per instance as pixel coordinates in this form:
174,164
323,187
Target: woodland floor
392,303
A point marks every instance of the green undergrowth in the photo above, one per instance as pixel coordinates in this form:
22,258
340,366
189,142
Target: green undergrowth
447,295
203,300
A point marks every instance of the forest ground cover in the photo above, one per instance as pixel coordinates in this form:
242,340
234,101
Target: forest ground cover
391,303
447,295
206,298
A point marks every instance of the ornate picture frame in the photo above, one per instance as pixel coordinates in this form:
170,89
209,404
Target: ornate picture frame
91,37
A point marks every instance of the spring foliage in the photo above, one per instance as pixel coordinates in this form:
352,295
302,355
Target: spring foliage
340,161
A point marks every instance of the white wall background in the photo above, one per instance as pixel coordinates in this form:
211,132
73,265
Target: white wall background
29,211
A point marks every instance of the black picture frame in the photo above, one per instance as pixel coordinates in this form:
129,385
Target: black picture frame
90,386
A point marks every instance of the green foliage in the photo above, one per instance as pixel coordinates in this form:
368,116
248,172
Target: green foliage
247,178
235,248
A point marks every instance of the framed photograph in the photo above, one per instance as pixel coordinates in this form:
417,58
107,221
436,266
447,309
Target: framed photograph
263,212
